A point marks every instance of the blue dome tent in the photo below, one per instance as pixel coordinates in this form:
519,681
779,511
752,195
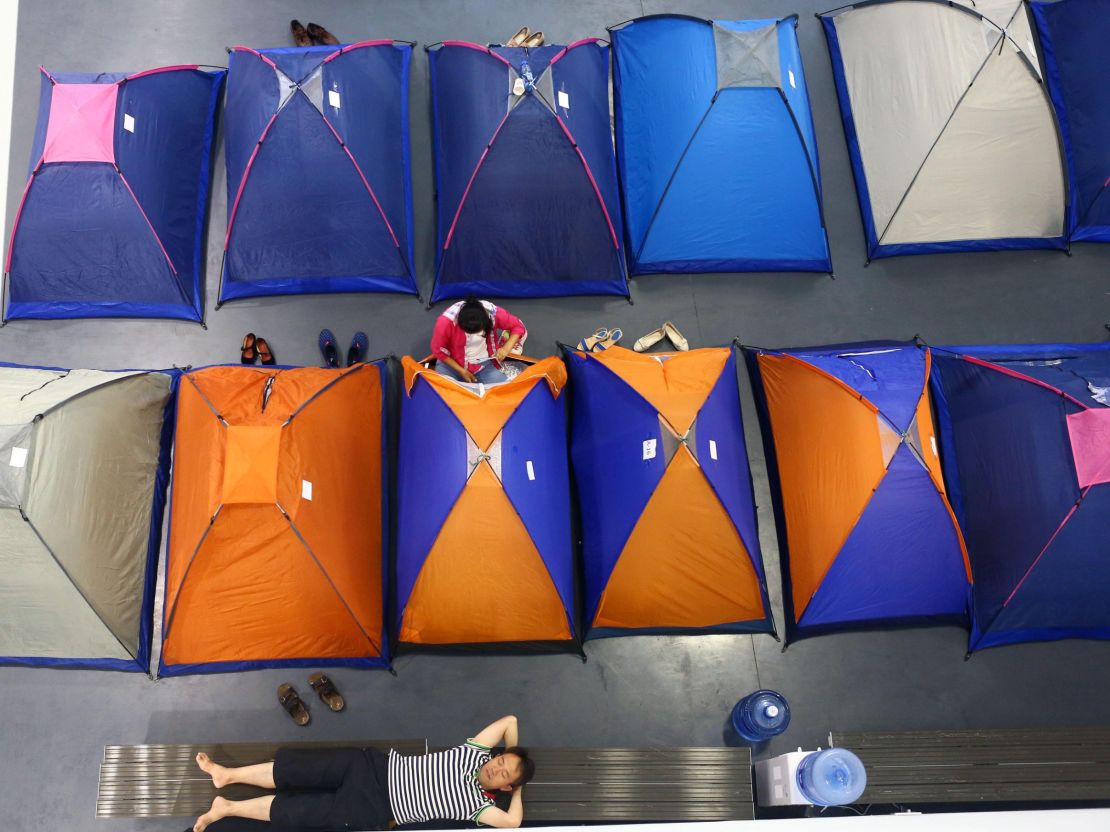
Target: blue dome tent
526,181
319,187
718,157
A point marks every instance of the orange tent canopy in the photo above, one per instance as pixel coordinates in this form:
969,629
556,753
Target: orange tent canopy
275,550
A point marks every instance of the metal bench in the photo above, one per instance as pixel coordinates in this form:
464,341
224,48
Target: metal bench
990,766
573,785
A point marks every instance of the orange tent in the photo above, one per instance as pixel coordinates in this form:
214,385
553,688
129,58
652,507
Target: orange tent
275,547
670,543
484,554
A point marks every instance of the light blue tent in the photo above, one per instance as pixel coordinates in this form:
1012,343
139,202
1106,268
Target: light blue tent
716,148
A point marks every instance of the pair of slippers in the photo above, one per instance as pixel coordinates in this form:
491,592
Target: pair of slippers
256,349
668,331
294,705
526,38
602,339
329,348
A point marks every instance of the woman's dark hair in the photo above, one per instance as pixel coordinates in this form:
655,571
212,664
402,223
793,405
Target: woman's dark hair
473,318
527,764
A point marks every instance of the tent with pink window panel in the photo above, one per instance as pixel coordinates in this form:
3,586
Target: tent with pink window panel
1025,445
111,219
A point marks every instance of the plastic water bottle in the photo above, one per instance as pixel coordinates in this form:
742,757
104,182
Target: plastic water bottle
761,715
833,777
526,74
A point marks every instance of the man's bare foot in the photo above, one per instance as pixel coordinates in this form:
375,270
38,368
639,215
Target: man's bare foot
218,773
217,811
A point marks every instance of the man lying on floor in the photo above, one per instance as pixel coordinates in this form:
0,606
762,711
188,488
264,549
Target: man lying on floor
339,789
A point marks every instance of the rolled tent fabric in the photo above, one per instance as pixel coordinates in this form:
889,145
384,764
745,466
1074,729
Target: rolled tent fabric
1025,432
526,181
318,171
953,141
717,151
484,547
1073,35
84,463
275,556
670,543
867,535
111,220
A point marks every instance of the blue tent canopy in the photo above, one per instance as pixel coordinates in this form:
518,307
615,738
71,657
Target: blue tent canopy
1023,433
718,157
526,181
1074,34
111,219
318,174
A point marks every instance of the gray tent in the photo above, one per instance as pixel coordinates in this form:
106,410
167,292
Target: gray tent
84,459
953,139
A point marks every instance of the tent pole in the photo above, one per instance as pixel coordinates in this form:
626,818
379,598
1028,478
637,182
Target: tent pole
4,301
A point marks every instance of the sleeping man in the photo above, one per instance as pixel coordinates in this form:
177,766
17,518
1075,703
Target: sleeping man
339,789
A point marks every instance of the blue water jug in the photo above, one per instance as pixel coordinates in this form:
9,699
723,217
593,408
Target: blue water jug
761,715
526,74
833,777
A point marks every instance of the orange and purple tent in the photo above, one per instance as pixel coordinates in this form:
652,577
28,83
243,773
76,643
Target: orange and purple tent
484,551
866,532
670,542
276,530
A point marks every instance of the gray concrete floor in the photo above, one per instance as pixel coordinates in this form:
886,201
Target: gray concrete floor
634,691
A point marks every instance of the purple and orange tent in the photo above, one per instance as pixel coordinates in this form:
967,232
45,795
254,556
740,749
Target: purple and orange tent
867,535
111,219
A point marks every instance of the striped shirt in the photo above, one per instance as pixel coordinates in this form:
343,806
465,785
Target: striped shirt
440,786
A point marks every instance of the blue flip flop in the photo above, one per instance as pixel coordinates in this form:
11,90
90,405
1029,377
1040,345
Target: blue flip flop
329,348
356,353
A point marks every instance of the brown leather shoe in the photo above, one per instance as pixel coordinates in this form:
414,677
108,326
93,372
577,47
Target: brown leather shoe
300,35
322,36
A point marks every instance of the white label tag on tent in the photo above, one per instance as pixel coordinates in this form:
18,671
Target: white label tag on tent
333,98
129,123
712,449
306,490
531,470
649,449
19,458
793,83
933,442
564,100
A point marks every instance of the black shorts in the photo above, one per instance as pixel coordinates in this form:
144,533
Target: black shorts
330,789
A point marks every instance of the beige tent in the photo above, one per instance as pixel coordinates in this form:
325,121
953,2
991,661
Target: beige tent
83,467
953,139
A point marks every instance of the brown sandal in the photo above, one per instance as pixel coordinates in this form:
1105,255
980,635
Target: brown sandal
293,704
326,691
